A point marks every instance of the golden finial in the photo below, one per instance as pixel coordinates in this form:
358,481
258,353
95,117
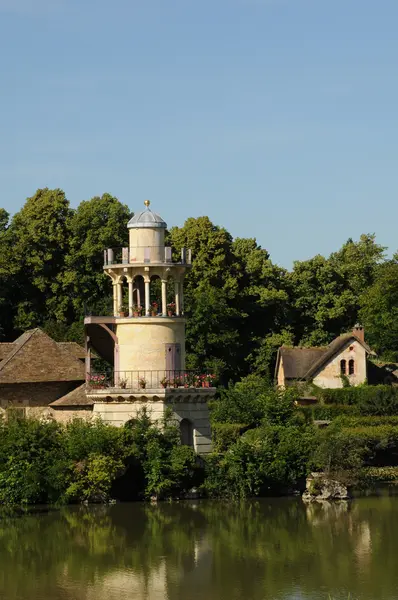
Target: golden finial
147,203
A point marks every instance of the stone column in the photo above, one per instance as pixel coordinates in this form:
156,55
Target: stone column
131,302
119,297
88,359
114,287
182,297
147,296
164,298
138,295
177,296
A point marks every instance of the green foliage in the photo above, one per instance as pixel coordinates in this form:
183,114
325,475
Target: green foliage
226,434
346,420
350,443
241,402
369,400
326,412
379,309
42,462
373,475
268,459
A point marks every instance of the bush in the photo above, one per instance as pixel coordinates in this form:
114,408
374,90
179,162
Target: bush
326,412
372,475
363,421
265,460
226,434
240,403
370,400
351,448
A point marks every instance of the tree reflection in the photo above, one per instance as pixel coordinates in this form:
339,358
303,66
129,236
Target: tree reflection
274,548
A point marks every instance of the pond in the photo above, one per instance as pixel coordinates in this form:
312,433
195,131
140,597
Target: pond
260,550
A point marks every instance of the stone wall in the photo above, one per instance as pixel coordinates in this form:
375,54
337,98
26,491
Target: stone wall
329,376
38,394
197,412
142,342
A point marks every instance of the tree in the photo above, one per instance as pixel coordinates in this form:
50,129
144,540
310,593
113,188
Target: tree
379,310
96,224
325,292
35,245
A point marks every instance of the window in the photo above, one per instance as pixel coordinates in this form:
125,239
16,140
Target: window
351,367
343,367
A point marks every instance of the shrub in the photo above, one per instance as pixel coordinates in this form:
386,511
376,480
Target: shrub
92,479
371,475
226,434
366,421
326,412
240,403
370,400
263,460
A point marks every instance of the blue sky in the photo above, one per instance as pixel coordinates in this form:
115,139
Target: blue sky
276,118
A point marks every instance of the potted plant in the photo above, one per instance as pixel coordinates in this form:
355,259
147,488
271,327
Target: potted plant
97,381
171,307
208,380
154,308
123,383
142,383
124,311
137,310
164,382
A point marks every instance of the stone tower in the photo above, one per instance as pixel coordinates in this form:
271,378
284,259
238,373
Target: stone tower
144,339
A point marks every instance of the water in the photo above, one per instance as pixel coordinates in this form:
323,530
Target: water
262,550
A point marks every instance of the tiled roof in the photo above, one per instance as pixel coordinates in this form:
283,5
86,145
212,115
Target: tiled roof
5,349
77,351
36,357
76,397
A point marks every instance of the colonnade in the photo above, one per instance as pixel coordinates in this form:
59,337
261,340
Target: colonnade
118,296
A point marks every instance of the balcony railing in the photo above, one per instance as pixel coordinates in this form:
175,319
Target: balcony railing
145,254
148,380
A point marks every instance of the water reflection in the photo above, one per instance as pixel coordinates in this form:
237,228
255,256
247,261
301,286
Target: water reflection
271,549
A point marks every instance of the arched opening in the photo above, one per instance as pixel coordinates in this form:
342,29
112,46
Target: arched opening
343,367
170,295
155,295
351,367
186,432
138,296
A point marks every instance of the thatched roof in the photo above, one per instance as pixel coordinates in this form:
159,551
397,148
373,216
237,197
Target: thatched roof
304,363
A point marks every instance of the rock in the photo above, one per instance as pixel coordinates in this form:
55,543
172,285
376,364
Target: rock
320,487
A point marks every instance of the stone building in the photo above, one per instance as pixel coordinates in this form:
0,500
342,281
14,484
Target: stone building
144,339
36,371
345,357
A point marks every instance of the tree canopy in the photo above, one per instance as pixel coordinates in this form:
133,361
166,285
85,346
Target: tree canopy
240,305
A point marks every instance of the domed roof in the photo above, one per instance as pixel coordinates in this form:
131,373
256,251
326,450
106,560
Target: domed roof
146,218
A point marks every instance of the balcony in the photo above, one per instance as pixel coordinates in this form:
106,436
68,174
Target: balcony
146,255
144,381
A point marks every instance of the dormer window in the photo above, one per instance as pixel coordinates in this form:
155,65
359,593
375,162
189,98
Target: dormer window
351,366
343,367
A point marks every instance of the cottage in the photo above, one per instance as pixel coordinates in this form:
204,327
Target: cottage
36,371
344,359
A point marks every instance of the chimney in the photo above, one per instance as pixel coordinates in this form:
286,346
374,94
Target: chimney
359,332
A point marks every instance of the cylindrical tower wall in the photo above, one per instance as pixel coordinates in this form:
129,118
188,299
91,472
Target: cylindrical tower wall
147,243
143,343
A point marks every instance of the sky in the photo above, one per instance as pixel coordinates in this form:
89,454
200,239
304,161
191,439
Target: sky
276,118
